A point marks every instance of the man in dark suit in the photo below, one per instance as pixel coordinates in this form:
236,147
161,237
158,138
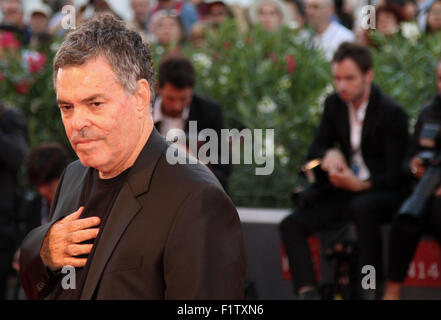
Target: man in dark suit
125,223
177,106
361,141
13,145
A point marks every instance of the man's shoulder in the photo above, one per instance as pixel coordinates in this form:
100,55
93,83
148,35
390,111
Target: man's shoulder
205,102
387,103
184,174
341,31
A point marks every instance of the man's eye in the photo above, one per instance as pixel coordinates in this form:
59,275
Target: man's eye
65,107
96,104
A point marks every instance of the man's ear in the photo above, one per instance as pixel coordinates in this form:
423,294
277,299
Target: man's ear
370,75
142,95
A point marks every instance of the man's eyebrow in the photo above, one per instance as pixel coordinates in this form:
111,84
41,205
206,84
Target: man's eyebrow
59,101
92,97
86,100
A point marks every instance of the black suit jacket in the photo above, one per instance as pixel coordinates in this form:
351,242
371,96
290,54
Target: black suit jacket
384,138
172,233
208,114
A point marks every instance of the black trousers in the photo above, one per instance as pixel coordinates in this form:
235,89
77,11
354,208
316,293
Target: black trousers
404,240
333,209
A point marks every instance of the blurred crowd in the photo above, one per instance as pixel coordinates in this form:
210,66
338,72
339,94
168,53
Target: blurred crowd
325,24
172,23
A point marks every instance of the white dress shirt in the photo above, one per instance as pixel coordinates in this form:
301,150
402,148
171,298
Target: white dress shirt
356,119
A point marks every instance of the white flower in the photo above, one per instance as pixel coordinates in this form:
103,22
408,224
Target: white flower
410,31
225,69
202,59
285,82
266,105
223,80
159,50
280,151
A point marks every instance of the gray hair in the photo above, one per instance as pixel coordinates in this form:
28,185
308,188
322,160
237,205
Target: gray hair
105,35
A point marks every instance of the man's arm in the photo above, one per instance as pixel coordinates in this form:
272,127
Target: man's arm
204,256
395,146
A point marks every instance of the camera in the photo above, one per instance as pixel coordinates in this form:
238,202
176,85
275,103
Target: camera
413,209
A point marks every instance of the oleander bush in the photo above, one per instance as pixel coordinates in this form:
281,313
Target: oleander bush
262,80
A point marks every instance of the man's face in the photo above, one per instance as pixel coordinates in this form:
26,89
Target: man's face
269,17
217,14
387,23
318,12
102,121
12,13
174,100
39,23
350,82
438,78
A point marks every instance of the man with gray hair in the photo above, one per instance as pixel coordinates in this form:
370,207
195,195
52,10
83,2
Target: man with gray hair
125,223
328,34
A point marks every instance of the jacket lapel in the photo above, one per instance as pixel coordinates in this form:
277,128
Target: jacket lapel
371,115
125,209
345,129
71,194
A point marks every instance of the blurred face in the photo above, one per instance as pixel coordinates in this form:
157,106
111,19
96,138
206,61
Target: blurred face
318,12
12,13
140,9
217,14
269,17
434,17
174,100
168,31
39,23
350,82
410,11
47,190
387,24
438,78
103,122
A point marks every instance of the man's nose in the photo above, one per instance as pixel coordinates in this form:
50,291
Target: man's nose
80,118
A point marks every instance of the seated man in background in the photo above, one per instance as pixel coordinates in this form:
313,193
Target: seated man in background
404,237
361,141
177,105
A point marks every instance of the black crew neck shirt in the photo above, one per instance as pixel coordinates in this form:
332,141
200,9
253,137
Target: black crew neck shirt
98,198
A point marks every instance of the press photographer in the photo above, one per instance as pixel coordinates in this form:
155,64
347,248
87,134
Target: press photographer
421,212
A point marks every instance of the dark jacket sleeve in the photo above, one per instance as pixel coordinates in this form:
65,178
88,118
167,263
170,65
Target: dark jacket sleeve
204,256
325,137
395,145
35,278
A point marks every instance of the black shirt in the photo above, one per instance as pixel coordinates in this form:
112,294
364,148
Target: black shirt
98,198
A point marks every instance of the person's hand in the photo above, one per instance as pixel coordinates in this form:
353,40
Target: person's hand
417,168
333,161
438,192
347,180
15,261
61,244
